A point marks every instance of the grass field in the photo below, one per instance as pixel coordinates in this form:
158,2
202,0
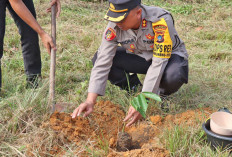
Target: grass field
204,26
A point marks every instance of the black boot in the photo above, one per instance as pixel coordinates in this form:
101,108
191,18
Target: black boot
33,81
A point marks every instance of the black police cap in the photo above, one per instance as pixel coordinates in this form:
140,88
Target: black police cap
119,9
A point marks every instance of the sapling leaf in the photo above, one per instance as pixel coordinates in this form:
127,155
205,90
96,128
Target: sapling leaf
140,102
142,105
142,112
143,102
135,103
152,96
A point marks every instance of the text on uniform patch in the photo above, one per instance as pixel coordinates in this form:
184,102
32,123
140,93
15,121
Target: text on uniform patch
162,40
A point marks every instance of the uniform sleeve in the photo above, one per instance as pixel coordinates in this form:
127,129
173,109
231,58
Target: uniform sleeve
105,55
163,41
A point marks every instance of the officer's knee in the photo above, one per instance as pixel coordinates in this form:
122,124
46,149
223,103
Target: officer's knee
172,81
172,74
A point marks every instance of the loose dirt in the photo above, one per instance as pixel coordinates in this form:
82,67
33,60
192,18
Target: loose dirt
106,122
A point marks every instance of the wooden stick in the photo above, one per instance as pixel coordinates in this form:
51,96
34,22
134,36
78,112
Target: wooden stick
51,99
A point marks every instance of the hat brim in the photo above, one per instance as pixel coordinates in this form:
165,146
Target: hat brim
115,17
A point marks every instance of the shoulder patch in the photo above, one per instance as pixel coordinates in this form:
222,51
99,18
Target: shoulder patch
110,34
162,40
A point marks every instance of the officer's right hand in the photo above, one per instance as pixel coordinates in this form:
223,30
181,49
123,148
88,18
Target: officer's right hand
86,107
47,42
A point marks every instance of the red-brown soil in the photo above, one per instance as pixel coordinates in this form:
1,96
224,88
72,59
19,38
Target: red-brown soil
106,121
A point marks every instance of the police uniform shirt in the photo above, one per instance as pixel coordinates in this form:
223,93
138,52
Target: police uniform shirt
156,40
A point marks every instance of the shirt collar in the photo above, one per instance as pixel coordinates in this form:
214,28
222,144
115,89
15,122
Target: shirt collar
146,16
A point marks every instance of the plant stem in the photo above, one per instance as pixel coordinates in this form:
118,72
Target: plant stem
123,128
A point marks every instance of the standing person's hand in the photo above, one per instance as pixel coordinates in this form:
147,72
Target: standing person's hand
133,115
58,7
47,42
86,107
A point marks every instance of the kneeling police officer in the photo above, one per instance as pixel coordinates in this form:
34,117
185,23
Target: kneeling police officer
149,44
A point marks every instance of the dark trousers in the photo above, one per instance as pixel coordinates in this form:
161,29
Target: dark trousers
29,38
174,76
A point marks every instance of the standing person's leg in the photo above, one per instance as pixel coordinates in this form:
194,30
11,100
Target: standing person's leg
3,4
30,45
175,75
124,63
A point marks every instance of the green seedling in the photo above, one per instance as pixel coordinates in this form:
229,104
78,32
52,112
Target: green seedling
140,102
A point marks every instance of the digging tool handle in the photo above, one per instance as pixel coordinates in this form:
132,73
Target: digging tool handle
53,61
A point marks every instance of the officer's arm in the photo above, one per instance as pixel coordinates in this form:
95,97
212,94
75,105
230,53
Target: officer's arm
154,75
163,42
23,12
105,55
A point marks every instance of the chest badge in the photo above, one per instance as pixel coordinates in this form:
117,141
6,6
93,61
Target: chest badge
132,48
149,36
110,34
144,23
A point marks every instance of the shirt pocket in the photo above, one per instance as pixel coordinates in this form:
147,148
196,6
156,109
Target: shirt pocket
148,40
128,44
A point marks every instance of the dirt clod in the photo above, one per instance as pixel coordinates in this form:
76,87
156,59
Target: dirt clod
124,142
112,142
156,119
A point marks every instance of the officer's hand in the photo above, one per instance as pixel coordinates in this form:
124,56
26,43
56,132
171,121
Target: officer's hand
58,7
86,107
133,115
47,42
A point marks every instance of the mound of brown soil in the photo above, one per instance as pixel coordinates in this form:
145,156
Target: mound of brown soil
107,119
106,122
74,129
